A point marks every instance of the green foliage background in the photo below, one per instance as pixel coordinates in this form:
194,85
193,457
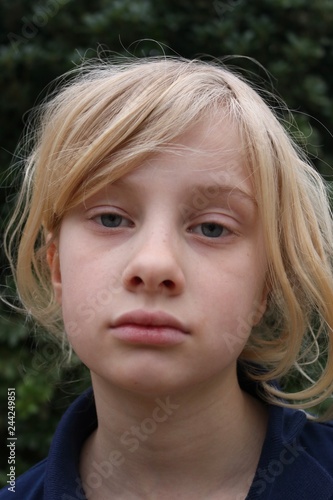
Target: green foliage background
40,39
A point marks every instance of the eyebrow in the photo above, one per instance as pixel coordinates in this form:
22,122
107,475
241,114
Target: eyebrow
222,189
206,189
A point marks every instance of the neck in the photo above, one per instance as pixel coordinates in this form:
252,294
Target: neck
167,443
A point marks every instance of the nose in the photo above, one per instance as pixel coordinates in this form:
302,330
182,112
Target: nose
154,267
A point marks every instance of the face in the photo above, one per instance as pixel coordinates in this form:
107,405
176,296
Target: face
161,275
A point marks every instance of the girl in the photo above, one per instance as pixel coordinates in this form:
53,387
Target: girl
171,232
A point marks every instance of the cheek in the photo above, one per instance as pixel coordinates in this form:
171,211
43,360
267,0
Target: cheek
235,302
76,309
77,286
89,289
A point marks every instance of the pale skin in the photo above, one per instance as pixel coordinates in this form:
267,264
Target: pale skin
179,235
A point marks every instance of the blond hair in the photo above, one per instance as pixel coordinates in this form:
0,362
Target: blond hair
119,114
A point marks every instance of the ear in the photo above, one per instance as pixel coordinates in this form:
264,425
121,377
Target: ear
53,261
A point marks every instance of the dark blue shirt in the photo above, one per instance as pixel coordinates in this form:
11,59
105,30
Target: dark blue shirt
296,461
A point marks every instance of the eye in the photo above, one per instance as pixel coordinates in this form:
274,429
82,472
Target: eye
210,230
112,220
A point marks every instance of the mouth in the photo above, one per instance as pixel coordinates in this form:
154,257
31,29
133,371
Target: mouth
149,328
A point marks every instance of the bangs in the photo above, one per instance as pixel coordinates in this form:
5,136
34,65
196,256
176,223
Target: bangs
115,122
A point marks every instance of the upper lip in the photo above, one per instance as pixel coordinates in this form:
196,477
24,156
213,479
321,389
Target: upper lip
150,318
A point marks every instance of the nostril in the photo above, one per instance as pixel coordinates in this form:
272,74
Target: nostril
168,283
137,280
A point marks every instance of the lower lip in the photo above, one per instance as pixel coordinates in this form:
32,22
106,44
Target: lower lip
149,335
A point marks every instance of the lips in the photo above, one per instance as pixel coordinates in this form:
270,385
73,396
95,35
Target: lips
146,318
146,327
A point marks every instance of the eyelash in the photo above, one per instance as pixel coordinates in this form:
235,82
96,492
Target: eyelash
212,225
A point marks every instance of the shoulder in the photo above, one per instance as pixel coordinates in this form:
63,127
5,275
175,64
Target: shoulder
296,459
312,440
316,439
29,485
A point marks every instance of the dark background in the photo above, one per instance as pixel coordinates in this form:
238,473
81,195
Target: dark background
39,40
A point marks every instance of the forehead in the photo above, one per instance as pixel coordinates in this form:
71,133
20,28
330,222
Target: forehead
209,153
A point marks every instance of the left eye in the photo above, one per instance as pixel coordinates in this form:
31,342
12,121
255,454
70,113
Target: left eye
210,230
112,220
